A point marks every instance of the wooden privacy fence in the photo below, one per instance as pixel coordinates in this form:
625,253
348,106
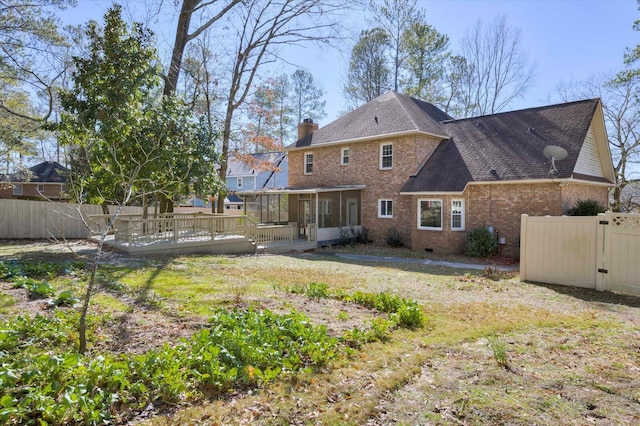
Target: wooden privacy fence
598,252
43,219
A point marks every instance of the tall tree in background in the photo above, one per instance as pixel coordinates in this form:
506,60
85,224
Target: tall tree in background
403,53
427,53
396,17
29,69
307,97
260,28
369,74
275,109
631,57
209,12
498,69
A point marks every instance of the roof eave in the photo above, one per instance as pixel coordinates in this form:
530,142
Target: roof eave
560,181
318,190
368,139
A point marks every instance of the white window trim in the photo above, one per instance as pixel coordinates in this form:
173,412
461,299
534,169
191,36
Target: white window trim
380,215
239,183
382,145
430,228
342,162
40,188
461,228
17,189
305,163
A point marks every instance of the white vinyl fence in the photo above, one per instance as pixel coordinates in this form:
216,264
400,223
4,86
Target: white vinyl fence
598,252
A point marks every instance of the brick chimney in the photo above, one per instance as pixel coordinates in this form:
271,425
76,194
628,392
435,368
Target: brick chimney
306,128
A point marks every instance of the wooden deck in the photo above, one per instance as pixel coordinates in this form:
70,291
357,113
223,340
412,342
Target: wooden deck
201,233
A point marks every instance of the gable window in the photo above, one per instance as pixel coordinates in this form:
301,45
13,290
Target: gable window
386,156
457,215
17,189
344,157
385,208
430,214
239,183
308,163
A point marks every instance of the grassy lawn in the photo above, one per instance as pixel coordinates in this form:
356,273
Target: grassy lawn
492,350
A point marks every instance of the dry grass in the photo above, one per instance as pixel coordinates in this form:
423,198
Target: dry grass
573,354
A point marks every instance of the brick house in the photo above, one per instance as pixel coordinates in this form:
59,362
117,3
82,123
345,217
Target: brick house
398,162
44,180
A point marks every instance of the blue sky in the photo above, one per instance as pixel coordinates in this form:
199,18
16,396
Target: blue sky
566,39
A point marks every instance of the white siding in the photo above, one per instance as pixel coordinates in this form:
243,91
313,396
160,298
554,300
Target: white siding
589,162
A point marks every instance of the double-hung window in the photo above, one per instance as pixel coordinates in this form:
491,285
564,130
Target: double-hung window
40,188
17,189
308,163
457,215
430,214
344,156
385,208
386,156
239,183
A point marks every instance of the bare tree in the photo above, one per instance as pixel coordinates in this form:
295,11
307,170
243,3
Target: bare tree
498,69
621,109
261,28
209,14
306,97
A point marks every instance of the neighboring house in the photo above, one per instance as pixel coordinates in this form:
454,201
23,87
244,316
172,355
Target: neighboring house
257,172
45,180
398,162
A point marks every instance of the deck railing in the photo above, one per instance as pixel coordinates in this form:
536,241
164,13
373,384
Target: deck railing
173,228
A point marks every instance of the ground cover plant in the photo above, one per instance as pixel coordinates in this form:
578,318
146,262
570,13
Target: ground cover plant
491,350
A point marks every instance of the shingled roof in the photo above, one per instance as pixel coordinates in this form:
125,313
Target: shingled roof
389,114
45,172
505,147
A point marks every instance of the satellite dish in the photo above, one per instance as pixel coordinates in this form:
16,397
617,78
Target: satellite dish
553,153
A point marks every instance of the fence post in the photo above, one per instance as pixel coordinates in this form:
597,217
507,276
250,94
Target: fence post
175,230
603,254
523,246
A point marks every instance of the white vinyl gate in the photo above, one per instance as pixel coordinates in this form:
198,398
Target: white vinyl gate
598,252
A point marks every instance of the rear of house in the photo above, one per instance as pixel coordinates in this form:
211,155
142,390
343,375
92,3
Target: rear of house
398,163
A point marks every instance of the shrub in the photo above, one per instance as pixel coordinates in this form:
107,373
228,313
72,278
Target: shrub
393,238
588,207
481,243
361,237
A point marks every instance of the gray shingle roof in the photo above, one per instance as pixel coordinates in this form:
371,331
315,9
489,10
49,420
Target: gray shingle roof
236,167
46,172
510,143
387,114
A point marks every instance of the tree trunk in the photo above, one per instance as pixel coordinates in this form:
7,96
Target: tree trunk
226,137
182,37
